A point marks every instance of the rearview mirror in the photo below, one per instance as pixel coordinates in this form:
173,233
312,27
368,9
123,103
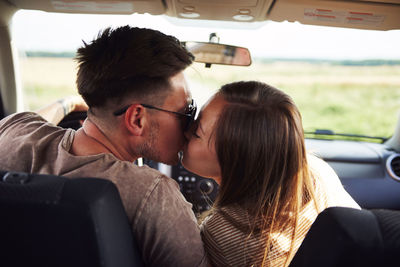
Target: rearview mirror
213,53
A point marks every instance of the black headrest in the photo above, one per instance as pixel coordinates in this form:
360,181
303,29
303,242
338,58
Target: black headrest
351,237
55,221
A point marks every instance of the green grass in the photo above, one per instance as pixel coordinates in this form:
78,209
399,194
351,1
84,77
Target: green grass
347,108
346,99
37,96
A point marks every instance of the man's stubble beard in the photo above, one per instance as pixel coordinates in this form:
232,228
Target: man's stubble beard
150,150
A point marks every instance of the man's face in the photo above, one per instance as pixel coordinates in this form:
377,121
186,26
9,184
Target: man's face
166,137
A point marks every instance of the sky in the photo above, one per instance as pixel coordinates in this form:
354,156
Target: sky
56,32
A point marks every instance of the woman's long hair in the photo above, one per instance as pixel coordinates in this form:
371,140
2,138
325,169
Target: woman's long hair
259,142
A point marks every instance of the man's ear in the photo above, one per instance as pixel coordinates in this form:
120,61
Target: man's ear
135,119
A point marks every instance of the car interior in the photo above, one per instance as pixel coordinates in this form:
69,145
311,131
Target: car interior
368,166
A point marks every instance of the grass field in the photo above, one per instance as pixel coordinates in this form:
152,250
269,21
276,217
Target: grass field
346,99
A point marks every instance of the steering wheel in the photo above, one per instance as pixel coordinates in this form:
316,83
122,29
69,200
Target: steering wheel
73,120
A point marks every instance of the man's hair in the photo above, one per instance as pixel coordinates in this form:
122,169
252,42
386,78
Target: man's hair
128,62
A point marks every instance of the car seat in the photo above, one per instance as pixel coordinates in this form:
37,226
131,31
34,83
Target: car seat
351,237
53,221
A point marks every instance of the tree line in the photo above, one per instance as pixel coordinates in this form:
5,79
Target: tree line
366,62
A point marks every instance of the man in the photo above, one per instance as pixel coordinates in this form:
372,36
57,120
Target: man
139,105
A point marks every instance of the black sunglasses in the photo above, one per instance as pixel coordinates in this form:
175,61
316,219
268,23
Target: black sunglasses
190,112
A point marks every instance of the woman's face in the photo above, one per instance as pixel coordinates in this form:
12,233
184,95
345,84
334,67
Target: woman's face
199,154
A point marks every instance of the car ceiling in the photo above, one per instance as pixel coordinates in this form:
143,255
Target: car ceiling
362,14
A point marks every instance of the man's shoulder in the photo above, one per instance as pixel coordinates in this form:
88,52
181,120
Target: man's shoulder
20,117
135,172
133,181
28,143
21,122
145,178
107,166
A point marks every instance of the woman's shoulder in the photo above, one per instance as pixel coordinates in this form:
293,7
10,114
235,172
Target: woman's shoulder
323,172
329,187
228,217
230,239
319,166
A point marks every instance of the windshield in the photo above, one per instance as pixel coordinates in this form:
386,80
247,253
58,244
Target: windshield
343,80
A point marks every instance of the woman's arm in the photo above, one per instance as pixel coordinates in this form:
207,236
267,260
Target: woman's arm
56,111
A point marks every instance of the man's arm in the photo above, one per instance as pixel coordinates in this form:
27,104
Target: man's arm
56,111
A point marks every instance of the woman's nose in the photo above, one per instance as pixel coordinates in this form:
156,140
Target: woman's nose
188,134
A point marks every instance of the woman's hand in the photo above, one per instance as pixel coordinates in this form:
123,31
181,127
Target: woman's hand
72,104
56,111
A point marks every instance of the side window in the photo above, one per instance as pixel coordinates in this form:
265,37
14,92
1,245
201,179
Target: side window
46,77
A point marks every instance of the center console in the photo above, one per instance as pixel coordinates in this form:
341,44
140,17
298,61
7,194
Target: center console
199,191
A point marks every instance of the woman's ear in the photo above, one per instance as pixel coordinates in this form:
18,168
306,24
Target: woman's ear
135,119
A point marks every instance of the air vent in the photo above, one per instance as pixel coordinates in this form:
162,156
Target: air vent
393,166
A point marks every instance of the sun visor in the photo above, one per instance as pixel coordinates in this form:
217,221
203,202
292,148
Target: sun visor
377,15
154,7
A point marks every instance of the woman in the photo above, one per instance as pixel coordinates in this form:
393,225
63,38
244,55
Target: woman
249,138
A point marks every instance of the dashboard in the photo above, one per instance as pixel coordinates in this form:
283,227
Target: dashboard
368,171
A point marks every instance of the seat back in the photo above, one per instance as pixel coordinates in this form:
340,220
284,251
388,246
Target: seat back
351,237
55,221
